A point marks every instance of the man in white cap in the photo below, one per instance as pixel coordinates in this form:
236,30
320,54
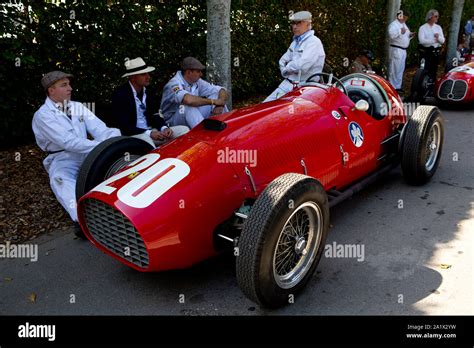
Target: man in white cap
305,56
399,36
61,127
188,99
135,107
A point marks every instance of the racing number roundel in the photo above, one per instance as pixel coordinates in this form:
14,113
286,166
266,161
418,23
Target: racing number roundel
356,134
156,178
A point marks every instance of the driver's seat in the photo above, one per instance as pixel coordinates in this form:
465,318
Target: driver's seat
356,94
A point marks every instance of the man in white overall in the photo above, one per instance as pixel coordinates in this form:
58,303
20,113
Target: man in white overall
188,99
61,127
400,37
305,56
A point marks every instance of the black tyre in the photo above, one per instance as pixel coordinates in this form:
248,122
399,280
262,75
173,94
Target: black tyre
422,145
419,86
106,159
282,240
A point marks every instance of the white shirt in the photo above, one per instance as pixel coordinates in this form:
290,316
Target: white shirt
176,88
55,131
396,36
141,107
426,35
306,55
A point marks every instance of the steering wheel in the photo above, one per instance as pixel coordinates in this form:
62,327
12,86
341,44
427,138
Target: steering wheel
329,78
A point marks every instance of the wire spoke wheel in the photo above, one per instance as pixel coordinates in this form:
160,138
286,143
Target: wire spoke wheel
433,146
298,241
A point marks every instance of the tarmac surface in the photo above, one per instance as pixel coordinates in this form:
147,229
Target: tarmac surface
417,259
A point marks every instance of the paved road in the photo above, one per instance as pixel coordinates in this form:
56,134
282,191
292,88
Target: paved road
418,259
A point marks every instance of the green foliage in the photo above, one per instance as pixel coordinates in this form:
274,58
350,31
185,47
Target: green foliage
91,40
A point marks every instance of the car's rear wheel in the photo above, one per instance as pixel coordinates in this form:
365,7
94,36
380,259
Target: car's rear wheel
105,160
422,145
282,240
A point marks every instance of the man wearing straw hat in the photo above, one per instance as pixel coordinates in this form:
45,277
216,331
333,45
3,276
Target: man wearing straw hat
136,109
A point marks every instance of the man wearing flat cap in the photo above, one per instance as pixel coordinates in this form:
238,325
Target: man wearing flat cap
187,99
304,57
61,129
399,39
135,107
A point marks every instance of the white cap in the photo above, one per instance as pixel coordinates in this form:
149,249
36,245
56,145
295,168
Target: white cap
301,16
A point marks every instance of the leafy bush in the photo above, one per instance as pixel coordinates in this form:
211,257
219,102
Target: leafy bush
91,40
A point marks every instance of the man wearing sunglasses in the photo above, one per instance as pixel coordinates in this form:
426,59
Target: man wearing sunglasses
136,109
304,58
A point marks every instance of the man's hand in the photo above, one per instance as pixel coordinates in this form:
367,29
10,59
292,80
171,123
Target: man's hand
436,35
157,135
219,102
218,110
167,132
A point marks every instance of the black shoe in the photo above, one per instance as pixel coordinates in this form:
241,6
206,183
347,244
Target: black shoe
78,231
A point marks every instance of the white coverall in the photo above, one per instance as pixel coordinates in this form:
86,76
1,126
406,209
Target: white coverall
305,54
397,55
178,114
55,131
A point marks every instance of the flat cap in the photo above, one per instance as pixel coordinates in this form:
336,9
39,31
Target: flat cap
301,16
50,78
190,63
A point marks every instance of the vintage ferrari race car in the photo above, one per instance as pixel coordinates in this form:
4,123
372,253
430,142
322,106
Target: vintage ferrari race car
258,181
457,86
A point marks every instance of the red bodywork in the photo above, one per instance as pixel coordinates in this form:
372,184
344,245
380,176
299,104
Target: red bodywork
457,86
297,133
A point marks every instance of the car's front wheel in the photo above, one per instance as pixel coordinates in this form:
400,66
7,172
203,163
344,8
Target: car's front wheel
105,160
282,240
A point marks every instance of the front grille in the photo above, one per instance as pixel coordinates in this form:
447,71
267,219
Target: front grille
459,90
453,90
115,232
445,89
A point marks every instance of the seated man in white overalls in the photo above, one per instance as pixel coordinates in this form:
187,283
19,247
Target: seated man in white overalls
187,99
61,127
304,58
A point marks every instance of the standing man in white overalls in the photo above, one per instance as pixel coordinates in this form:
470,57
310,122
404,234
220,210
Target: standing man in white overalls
400,37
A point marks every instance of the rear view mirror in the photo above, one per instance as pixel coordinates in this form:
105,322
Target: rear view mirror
362,105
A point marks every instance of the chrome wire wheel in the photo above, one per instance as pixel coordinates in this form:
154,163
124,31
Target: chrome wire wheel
121,163
433,146
297,245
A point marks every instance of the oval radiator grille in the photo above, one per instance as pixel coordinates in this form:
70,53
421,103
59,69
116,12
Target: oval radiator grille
115,232
453,90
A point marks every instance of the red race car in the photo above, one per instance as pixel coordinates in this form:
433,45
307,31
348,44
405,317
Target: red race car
457,86
258,180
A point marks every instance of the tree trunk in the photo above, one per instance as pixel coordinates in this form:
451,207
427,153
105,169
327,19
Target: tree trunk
453,35
392,7
218,45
